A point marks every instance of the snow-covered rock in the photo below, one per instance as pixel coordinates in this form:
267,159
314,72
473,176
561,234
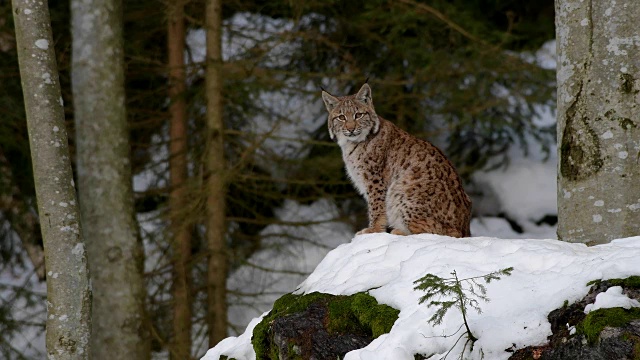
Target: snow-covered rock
546,274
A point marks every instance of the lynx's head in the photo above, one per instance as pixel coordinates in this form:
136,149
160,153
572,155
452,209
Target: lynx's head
352,117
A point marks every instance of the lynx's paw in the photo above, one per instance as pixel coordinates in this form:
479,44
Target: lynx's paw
398,232
369,231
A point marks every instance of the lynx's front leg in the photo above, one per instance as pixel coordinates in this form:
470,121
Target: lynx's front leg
377,209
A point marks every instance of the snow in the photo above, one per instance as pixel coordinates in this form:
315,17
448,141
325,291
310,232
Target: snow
546,274
613,297
525,191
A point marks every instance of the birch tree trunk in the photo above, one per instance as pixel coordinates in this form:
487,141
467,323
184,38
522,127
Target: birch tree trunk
180,228
598,119
216,229
68,291
104,178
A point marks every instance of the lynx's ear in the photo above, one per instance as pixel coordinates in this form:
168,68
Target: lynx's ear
364,95
329,101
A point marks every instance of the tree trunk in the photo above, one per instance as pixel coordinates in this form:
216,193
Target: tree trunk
216,229
68,290
180,228
598,120
104,177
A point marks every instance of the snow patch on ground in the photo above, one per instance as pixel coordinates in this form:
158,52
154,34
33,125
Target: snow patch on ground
613,297
546,273
525,191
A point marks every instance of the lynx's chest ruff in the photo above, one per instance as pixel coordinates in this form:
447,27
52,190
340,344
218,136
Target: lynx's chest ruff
355,168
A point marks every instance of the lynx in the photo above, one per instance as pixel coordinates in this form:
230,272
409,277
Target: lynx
408,183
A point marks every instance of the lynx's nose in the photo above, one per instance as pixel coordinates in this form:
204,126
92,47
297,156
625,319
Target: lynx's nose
350,126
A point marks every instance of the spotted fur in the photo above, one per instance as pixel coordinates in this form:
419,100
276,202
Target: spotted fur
408,183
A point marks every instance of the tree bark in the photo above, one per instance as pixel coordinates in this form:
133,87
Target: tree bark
68,290
180,228
104,177
215,164
598,120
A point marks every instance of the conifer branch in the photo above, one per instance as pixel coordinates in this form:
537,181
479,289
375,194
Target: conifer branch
459,293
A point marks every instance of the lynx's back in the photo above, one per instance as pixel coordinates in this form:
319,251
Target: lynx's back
408,183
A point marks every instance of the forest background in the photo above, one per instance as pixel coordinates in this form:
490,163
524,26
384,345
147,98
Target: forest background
460,73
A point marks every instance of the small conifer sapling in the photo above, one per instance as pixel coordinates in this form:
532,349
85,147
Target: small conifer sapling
463,294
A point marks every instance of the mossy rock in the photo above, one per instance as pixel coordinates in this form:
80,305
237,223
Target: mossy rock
610,333
597,320
357,317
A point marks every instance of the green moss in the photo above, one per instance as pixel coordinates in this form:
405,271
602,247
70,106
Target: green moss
632,282
358,313
597,320
342,318
380,318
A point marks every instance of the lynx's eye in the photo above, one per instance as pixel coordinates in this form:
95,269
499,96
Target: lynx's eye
359,115
341,118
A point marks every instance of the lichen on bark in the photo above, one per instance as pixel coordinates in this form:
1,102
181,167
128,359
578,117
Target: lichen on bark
580,155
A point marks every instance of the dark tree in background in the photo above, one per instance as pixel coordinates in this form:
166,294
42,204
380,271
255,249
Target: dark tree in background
179,201
215,177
